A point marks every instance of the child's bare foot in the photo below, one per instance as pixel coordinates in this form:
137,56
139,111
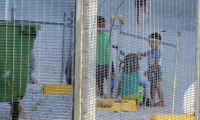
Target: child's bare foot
138,105
160,104
111,96
103,96
138,23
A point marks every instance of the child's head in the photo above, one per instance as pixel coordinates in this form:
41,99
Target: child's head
154,44
101,23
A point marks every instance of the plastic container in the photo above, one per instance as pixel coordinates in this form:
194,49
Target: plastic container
16,43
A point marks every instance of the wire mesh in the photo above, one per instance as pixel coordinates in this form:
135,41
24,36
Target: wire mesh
46,48
110,65
129,30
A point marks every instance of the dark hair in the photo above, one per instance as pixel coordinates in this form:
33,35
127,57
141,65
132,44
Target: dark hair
100,19
155,36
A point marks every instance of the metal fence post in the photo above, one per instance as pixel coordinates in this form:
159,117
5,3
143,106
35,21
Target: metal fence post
89,59
63,50
78,49
68,69
175,70
197,111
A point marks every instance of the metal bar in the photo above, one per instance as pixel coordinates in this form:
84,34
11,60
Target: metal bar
197,111
73,62
175,71
63,51
44,22
116,84
69,61
143,38
89,59
78,55
110,60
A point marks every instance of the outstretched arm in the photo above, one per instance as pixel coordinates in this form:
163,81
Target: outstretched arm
140,55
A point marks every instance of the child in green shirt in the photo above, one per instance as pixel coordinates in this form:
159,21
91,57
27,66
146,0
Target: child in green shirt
102,59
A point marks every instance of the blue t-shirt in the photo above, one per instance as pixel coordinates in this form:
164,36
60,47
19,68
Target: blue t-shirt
152,55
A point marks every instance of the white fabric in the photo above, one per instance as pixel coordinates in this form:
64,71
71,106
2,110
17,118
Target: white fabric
189,100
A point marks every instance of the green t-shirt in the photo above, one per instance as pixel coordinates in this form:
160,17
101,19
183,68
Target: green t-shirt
103,50
130,83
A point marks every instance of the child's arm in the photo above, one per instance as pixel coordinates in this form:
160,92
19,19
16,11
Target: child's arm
153,67
142,54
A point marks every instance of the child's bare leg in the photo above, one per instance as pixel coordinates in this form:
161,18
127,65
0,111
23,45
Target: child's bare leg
100,86
145,10
138,105
137,14
159,91
153,92
97,89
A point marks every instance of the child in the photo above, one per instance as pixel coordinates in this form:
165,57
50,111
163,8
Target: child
32,80
102,58
130,89
154,71
141,3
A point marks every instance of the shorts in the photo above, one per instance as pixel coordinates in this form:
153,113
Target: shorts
101,73
139,3
155,75
136,96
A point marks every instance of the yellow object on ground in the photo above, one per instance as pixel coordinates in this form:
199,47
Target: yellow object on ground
171,117
56,89
116,105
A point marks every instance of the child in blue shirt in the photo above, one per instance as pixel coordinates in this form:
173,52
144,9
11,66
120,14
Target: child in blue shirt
154,71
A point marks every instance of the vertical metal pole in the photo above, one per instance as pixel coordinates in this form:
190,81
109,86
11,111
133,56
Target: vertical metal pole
175,70
89,60
69,61
116,85
63,49
110,62
78,62
73,61
197,111
12,14
6,9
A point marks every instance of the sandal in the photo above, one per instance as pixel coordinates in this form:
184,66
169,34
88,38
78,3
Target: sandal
159,104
